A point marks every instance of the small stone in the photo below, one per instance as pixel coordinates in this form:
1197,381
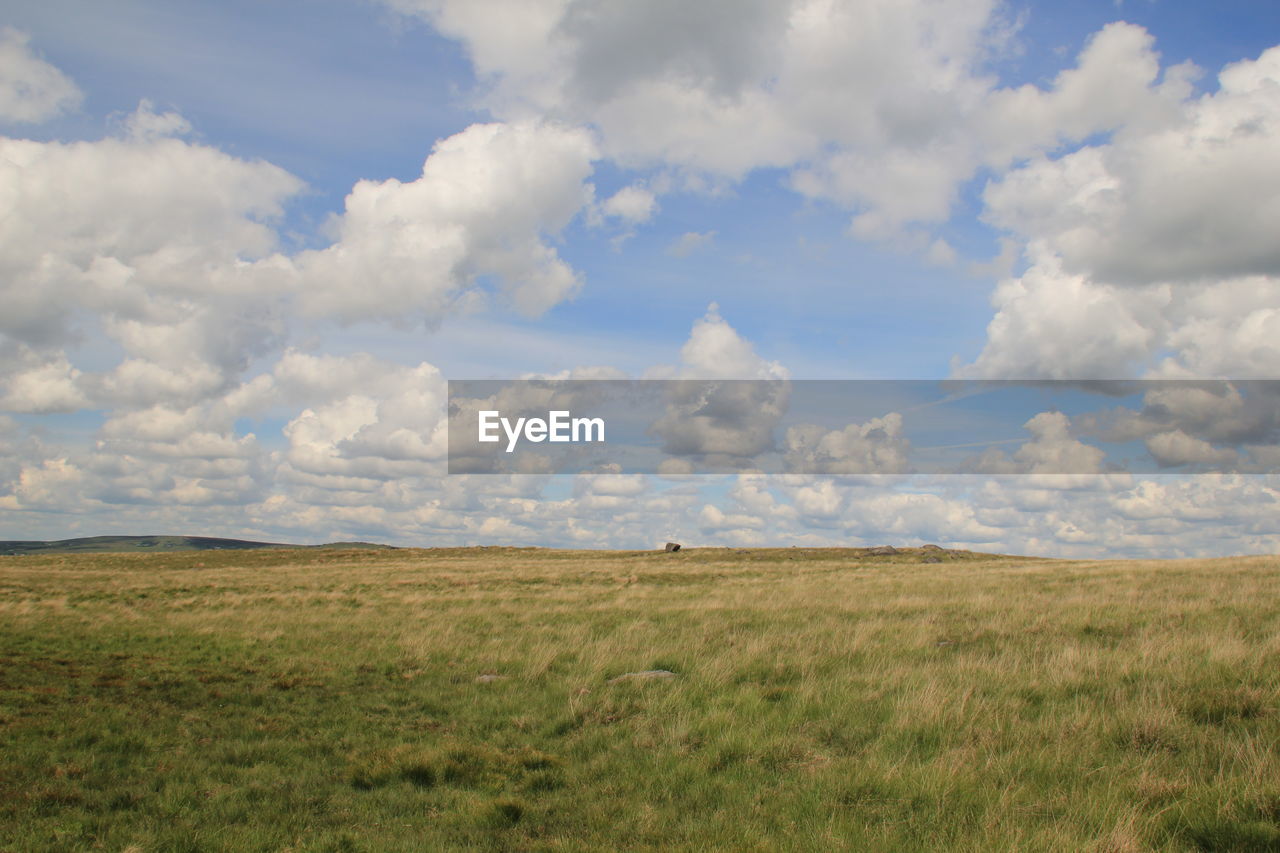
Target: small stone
648,673
672,546
882,551
488,677
931,559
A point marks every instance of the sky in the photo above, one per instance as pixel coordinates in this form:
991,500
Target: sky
243,247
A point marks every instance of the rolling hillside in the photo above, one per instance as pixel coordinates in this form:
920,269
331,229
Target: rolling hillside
143,544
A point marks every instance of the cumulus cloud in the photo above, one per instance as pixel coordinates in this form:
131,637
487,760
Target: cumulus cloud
689,242
1175,448
170,248
887,109
1216,411
632,205
1052,450
1191,516
389,425
51,484
145,124
854,512
1207,425
712,518
31,90
881,106
877,446
1131,270
486,199
723,423
715,350
43,387
1052,324
164,245
1112,212
1116,83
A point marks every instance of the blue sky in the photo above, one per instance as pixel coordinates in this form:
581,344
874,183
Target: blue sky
231,306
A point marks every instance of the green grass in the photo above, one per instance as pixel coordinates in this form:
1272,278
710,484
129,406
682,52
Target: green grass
824,700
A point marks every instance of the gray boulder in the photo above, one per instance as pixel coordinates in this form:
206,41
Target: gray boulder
642,676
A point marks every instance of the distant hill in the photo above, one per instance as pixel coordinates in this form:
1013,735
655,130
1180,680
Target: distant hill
138,544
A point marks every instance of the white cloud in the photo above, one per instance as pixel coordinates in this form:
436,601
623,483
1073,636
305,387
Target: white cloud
1208,498
1113,212
162,244
1225,329
47,386
940,253
689,242
715,350
820,500
1116,83
1056,325
486,199
1175,447
882,106
1052,450
722,423
31,90
144,124
170,249
1152,251
1209,425
391,425
632,204
877,446
52,484
1053,324
712,518
1216,411
612,485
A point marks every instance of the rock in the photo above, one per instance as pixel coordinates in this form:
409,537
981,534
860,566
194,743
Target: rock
488,677
932,547
931,559
882,551
672,546
648,673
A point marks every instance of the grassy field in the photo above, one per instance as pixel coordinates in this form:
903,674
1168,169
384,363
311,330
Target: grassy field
822,700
